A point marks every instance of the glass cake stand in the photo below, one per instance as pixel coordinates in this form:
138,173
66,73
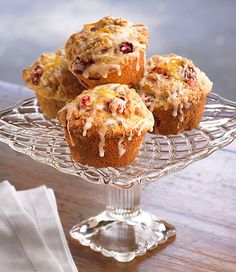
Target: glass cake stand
123,231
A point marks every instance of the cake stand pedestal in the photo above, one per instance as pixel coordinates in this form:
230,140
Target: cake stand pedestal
123,231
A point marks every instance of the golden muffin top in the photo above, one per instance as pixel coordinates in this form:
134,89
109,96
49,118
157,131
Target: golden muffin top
109,41
171,79
113,110
50,77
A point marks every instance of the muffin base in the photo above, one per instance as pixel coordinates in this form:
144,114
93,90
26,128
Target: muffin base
166,124
49,106
85,150
129,75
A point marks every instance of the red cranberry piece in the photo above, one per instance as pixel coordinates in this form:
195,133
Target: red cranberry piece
120,109
126,47
190,76
85,101
37,75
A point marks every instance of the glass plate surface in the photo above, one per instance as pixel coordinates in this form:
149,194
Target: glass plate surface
24,128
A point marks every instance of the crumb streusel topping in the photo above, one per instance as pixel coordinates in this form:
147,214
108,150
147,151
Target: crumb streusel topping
110,110
102,46
170,80
50,77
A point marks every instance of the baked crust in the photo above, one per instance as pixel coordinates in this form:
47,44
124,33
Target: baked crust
111,50
175,90
49,106
105,126
166,124
85,150
102,106
50,77
129,74
52,82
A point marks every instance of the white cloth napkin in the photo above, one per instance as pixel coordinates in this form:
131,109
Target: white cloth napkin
31,235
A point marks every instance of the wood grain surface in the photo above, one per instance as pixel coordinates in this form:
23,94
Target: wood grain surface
199,200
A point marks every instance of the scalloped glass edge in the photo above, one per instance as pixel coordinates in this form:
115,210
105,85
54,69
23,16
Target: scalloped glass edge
104,177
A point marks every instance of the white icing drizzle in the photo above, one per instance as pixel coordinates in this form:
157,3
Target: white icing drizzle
102,133
181,92
130,135
136,55
178,106
89,122
140,124
101,69
121,36
145,60
179,97
181,114
121,148
127,33
117,107
99,106
141,129
70,108
138,45
173,98
186,104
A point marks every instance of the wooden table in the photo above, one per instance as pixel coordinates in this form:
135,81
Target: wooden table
200,201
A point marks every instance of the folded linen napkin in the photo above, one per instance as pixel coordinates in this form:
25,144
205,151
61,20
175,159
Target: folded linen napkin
31,235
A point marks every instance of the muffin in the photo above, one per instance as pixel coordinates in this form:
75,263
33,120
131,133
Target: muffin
175,90
52,82
109,51
105,126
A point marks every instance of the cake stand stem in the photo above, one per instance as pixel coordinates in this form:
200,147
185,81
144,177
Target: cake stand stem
123,231
122,202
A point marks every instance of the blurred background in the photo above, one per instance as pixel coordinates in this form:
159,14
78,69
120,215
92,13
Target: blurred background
204,31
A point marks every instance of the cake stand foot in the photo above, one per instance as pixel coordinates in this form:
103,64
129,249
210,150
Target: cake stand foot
123,231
